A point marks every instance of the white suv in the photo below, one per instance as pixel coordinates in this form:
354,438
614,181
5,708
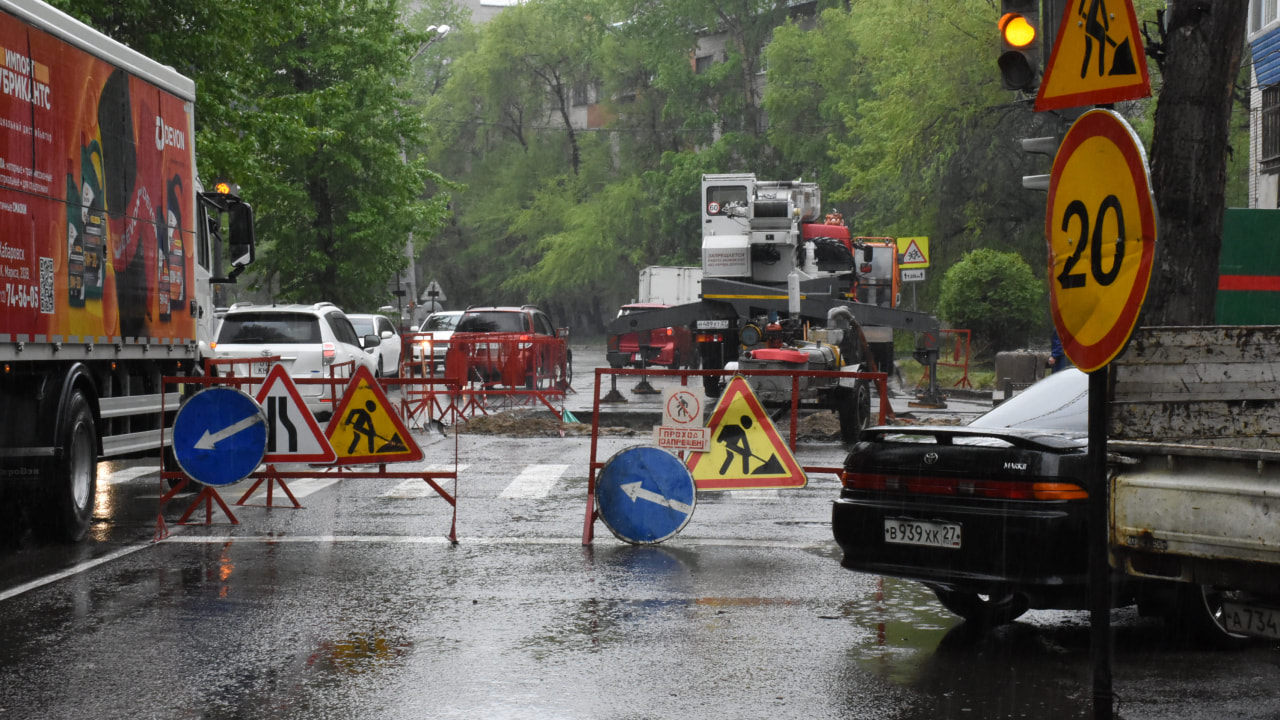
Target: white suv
313,341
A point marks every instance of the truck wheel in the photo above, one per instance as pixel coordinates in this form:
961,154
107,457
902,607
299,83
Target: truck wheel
1197,613
853,406
71,480
984,610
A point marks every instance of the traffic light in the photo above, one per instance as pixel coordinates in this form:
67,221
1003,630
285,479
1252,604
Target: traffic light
1019,44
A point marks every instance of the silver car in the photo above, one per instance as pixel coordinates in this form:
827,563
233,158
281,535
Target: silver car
438,328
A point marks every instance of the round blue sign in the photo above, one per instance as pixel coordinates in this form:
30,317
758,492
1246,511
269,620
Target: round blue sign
645,495
219,436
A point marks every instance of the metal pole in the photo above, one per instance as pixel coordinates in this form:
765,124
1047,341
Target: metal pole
1099,527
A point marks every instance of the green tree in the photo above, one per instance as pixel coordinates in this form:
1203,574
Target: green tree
303,106
994,295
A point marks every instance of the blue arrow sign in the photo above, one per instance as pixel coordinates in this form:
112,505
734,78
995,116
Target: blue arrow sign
645,495
219,436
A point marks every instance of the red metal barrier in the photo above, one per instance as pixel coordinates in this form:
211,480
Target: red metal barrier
959,357
481,373
880,379
271,474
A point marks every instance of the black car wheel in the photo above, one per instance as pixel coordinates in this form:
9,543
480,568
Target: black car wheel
984,610
853,406
67,499
1198,613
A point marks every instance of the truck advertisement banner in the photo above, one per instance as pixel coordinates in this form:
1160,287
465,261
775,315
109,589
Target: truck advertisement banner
96,198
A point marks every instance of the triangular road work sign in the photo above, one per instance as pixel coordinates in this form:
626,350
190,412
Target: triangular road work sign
913,256
747,453
293,435
1097,57
365,429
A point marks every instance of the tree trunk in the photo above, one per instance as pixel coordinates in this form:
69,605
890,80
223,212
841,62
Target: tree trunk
1202,49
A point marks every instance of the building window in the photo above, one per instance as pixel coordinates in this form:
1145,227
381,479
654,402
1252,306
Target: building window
1262,13
580,96
702,64
1269,160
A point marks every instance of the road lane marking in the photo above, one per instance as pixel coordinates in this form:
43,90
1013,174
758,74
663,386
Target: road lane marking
534,482
483,541
127,474
416,488
12,592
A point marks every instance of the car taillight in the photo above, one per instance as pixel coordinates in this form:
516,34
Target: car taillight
710,337
330,353
990,489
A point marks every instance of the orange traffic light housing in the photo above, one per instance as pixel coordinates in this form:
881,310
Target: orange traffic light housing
1020,44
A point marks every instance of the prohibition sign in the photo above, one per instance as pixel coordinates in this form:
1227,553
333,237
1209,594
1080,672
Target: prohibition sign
1100,225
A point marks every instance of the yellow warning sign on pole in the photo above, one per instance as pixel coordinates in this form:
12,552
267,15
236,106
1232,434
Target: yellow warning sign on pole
1097,57
747,453
365,429
914,252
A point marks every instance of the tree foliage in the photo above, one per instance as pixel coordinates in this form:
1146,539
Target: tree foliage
303,106
995,295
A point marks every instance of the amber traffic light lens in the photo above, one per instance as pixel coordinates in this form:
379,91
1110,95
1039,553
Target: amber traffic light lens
1017,30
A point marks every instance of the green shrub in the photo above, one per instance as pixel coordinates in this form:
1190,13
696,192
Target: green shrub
995,295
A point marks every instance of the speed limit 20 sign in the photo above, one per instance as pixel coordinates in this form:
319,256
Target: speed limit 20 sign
1101,229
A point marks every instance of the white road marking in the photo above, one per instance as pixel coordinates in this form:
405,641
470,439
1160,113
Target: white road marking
416,488
127,474
300,489
534,482
12,592
491,541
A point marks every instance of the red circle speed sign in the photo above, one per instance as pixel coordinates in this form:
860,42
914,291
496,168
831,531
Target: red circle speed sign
1100,225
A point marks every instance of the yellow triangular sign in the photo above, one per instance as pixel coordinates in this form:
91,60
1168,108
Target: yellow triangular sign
1097,57
913,256
747,453
364,429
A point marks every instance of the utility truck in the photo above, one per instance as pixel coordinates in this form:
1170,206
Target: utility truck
1194,438
108,250
774,269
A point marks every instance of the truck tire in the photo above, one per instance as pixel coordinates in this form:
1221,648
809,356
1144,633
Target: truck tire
1197,614
983,610
71,479
853,406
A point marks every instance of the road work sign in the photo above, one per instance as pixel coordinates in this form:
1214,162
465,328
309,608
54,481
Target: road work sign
219,436
293,435
1097,57
645,495
365,428
746,453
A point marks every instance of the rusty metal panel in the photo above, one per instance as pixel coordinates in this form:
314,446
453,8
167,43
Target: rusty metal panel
1216,386
1207,508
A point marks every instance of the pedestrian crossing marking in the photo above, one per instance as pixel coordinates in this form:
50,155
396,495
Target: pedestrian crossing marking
414,488
534,482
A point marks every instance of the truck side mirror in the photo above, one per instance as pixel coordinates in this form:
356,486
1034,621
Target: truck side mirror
241,239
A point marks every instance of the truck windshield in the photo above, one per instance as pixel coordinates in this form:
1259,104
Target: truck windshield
273,327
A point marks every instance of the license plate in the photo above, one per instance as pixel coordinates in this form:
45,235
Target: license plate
920,532
1251,620
713,325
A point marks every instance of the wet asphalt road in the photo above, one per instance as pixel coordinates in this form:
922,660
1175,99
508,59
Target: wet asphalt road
357,606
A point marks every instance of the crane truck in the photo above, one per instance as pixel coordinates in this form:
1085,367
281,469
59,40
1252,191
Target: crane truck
785,286
109,249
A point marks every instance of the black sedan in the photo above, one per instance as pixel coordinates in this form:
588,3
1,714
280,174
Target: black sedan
991,516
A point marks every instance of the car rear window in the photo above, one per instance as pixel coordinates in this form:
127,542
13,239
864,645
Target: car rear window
275,327
441,322
492,322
